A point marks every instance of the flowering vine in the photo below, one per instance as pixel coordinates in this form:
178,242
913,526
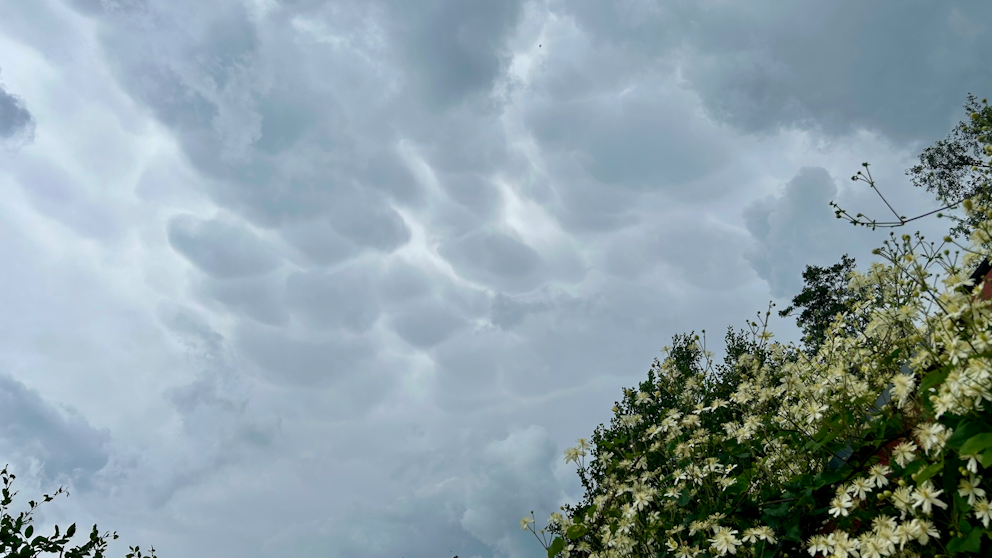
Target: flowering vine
877,445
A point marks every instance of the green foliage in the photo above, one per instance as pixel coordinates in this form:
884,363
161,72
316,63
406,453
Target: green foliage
958,167
825,294
705,461
17,538
873,441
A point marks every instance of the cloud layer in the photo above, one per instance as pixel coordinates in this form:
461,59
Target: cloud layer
342,278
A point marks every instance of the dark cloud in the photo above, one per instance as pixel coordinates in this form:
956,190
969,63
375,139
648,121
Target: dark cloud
457,47
473,192
495,259
340,299
795,229
220,249
690,253
640,139
386,172
508,312
584,200
16,123
319,242
402,281
426,323
834,67
58,436
371,223
259,298
514,474
287,359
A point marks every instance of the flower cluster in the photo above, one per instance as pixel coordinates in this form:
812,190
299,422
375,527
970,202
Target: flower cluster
875,446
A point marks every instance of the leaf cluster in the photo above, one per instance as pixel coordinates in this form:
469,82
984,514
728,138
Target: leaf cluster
958,167
18,538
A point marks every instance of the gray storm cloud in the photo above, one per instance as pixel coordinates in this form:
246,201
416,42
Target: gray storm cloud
220,249
16,123
405,257
58,436
795,229
834,68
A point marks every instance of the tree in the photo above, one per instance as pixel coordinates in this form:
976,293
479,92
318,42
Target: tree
825,294
17,538
958,168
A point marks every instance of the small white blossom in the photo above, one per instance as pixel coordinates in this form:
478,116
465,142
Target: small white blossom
982,511
926,496
724,541
968,488
904,453
841,505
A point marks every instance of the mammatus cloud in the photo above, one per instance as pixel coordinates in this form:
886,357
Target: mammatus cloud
17,126
221,250
408,255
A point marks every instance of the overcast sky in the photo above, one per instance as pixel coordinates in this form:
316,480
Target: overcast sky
307,278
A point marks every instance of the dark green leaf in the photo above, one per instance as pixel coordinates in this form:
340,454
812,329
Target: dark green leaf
929,472
976,444
972,543
965,431
29,531
557,546
576,532
934,378
987,459
914,467
780,510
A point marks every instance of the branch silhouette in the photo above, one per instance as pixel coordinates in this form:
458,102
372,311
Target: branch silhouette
873,223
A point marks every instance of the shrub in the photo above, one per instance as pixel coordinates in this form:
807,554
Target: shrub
876,445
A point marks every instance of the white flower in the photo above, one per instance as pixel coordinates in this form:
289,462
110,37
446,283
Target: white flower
878,474
860,487
982,511
902,388
525,522
930,436
814,411
642,496
925,497
840,505
907,532
763,533
925,530
724,541
818,543
843,544
968,488
571,454
972,465
902,499
904,453
870,547
767,534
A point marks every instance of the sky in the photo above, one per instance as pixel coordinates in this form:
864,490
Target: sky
344,278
